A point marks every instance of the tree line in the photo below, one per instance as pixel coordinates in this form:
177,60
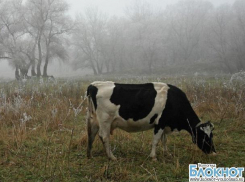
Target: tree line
33,34
190,35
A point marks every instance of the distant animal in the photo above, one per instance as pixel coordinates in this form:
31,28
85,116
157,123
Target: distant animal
140,107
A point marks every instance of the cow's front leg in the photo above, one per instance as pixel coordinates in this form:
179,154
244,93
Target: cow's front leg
104,133
156,138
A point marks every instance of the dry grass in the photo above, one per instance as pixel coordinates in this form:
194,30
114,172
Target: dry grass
43,133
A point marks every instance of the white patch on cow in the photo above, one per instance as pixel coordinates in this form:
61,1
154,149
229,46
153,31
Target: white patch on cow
207,130
160,100
105,90
106,110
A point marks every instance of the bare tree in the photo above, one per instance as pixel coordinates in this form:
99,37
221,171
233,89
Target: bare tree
88,39
36,18
58,24
12,36
47,23
220,34
186,21
238,36
114,49
145,35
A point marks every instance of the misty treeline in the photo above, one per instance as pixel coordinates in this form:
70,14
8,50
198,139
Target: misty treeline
189,36
34,32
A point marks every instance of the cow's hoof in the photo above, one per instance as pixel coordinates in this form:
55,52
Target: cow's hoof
214,154
113,158
154,159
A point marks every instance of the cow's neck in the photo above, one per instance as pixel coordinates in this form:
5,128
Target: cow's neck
192,123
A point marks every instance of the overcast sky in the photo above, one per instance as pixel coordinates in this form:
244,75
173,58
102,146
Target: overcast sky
110,7
117,7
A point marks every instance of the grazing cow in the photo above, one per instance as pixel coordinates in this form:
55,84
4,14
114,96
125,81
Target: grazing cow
139,107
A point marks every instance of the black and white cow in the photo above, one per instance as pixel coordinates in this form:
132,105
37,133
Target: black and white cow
139,107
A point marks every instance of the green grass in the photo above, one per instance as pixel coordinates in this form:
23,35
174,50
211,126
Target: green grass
53,147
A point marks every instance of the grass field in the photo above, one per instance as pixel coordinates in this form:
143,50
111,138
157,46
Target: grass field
43,133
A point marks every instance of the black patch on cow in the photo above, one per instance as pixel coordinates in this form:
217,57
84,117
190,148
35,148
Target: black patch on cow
92,92
178,113
136,100
153,118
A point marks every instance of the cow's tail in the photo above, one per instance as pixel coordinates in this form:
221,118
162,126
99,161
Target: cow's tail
89,113
90,110
91,95
91,98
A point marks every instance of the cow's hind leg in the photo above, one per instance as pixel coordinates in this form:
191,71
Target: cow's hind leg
158,132
104,134
92,129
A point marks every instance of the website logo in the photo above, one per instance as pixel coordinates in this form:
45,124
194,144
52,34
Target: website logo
209,172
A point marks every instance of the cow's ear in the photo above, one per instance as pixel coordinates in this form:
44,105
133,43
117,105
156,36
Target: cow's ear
211,125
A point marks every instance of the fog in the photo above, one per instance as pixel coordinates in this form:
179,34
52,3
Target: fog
117,7
76,38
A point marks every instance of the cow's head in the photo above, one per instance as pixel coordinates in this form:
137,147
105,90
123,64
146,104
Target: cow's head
204,137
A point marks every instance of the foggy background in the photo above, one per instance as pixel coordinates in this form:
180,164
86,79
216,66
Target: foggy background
75,38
